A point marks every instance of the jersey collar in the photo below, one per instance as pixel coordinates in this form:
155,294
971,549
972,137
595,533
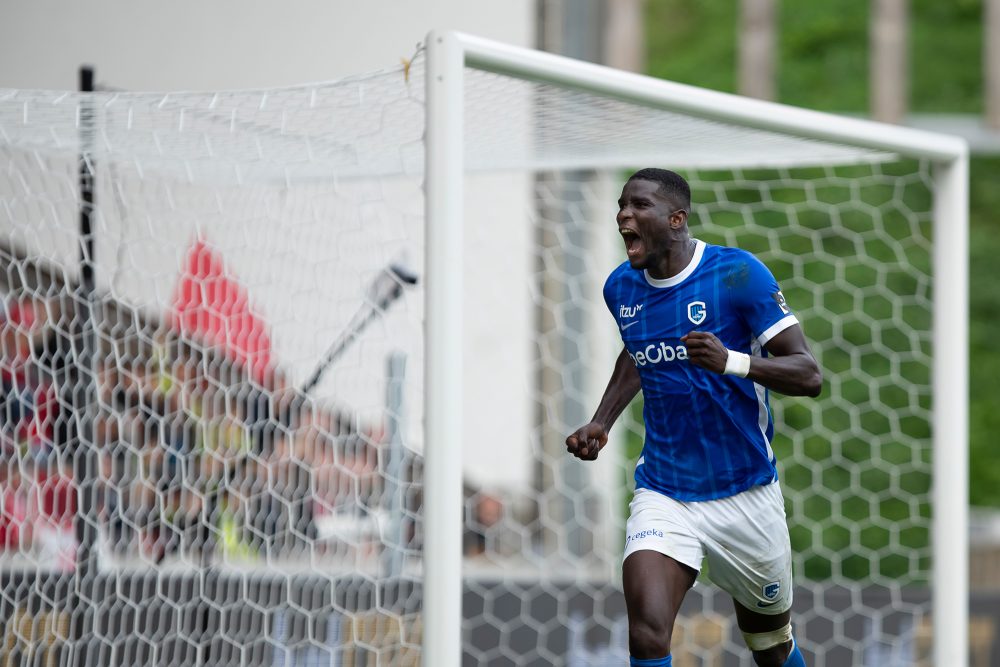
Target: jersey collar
699,250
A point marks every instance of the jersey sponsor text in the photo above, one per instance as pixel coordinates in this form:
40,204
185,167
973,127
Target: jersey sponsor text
655,353
625,312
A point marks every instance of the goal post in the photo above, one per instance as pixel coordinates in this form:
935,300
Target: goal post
449,56
443,469
951,411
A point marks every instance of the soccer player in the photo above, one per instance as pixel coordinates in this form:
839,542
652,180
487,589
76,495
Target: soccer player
707,333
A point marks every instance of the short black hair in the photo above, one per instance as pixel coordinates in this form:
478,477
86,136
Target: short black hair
671,183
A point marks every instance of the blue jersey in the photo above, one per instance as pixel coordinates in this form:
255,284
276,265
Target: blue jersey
707,435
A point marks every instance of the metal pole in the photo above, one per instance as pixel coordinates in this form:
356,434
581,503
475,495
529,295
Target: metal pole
950,493
991,62
756,48
386,288
888,63
442,587
81,441
392,558
581,37
624,39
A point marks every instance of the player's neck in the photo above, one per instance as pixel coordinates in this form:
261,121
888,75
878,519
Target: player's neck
676,259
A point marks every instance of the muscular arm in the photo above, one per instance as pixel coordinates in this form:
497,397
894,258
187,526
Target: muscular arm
588,440
791,370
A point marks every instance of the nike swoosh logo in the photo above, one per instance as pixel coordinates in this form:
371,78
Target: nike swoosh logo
766,604
626,326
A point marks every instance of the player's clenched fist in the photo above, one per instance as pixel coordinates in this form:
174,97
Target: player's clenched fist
587,441
705,350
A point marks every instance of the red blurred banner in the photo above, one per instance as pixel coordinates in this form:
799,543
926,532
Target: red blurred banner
212,306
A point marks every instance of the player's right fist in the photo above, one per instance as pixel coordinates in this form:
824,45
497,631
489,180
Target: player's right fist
587,441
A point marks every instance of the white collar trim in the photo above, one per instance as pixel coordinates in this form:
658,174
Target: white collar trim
699,250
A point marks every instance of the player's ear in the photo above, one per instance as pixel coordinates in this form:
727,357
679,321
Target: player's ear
678,219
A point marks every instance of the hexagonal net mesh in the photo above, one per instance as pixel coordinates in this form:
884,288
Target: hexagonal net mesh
850,248
208,446
213,400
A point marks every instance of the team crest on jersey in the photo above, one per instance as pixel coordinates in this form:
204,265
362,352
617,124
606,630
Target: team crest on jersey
771,590
697,312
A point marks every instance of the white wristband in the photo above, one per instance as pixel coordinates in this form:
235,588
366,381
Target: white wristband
737,364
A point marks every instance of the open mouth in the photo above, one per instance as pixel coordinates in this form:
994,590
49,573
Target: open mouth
633,242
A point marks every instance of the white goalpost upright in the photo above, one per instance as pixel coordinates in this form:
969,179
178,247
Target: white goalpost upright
450,56
443,474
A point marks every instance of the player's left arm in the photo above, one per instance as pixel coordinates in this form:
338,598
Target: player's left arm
791,369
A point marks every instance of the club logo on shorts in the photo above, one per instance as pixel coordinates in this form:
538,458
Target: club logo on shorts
771,590
652,532
697,312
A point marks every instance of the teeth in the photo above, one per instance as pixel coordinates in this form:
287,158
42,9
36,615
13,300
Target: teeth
632,241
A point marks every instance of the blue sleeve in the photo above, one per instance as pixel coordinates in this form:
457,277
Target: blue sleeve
758,298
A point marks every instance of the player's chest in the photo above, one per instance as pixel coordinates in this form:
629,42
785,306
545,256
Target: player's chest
670,313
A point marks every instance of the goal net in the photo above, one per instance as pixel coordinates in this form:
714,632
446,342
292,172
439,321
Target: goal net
240,330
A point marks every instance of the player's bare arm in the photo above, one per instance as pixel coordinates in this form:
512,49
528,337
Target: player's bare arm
791,370
587,441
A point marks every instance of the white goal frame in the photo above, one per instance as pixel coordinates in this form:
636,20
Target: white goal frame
448,53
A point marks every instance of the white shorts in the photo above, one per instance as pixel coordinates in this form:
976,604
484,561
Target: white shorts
744,537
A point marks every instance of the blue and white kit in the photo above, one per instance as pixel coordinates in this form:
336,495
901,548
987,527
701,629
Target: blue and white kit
708,436
706,482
